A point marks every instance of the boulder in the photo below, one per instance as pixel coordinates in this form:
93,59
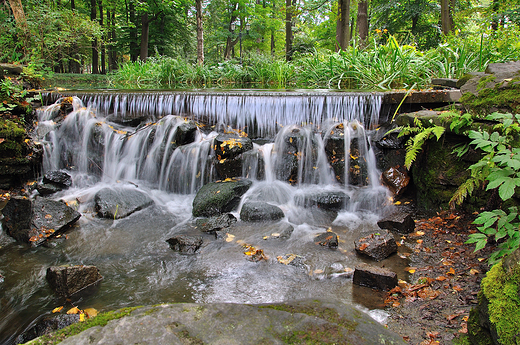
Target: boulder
59,178
216,198
184,243
35,221
48,188
396,179
216,223
259,211
68,280
46,325
117,203
327,201
327,239
185,133
229,151
280,230
400,221
10,69
374,277
378,245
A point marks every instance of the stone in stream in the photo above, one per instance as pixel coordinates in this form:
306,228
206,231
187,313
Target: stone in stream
258,211
327,201
378,245
68,280
396,179
185,243
400,221
228,154
117,203
35,221
216,198
327,239
308,321
47,325
215,223
54,181
374,277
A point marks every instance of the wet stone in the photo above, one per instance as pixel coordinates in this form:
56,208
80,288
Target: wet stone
47,325
396,179
48,188
215,223
68,280
327,239
216,198
329,201
186,244
374,277
378,245
400,221
117,203
59,178
257,211
280,230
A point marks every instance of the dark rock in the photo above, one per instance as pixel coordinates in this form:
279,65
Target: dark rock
329,201
400,221
48,188
116,203
185,133
447,82
216,198
59,178
280,230
511,261
258,211
374,277
216,223
34,222
512,67
292,260
10,69
68,280
187,244
327,239
396,179
378,245
391,141
229,151
47,325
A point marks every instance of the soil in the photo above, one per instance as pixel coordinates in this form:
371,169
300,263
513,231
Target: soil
445,275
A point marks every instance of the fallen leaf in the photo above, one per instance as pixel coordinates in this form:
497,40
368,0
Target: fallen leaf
473,271
81,317
458,288
318,271
91,312
441,278
57,309
451,271
229,237
74,310
419,233
363,246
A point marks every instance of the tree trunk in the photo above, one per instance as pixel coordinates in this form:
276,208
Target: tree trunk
362,23
230,43
446,16
145,33
288,30
18,13
200,33
95,56
342,25
273,46
74,62
101,22
112,53
133,32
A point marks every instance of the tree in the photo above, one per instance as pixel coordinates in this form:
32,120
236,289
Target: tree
342,26
200,33
362,22
289,14
446,16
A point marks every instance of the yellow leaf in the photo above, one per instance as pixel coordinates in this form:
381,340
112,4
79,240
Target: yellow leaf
419,233
318,271
48,216
230,237
57,309
91,312
74,310
81,317
473,271
397,203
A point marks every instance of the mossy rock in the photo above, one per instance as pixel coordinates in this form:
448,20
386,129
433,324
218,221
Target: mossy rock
216,198
500,288
11,129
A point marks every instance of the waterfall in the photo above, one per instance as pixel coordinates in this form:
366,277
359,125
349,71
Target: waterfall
259,114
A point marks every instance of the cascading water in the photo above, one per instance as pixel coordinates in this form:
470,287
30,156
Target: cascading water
313,143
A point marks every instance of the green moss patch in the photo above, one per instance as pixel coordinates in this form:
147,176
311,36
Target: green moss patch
501,288
500,96
100,320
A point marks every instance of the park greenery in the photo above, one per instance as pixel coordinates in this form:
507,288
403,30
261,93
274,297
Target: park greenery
264,43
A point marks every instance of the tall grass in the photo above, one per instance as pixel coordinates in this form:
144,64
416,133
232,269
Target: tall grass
376,67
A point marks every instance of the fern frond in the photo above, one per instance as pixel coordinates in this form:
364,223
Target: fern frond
465,189
438,131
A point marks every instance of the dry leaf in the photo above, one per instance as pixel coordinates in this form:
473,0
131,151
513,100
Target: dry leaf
74,310
91,312
473,271
81,317
230,237
57,309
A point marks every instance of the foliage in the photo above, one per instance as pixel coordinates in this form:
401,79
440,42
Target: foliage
13,95
419,133
500,169
501,289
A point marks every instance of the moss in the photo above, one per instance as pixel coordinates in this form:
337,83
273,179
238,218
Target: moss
11,129
324,313
499,96
74,329
476,334
501,288
188,338
317,334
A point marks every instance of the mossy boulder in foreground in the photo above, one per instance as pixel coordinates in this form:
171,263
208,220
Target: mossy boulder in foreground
216,198
302,322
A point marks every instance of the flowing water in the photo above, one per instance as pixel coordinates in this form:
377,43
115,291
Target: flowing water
93,144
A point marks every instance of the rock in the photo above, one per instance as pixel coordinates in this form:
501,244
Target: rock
400,221
447,82
280,230
307,321
512,67
10,69
258,211
327,239
35,221
184,243
48,188
374,277
391,141
59,178
511,261
185,133
216,223
292,260
216,198
229,151
378,245
396,179
68,280
47,325
117,203
328,201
